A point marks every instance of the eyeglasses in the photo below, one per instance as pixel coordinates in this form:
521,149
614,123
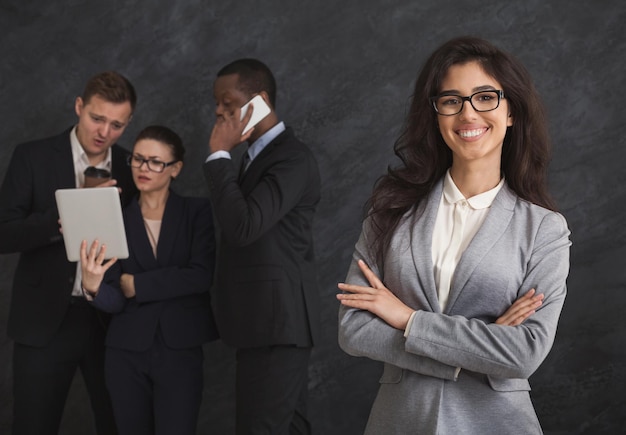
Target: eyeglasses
153,165
482,101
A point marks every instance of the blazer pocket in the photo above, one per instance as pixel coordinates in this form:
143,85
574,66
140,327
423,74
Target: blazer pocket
391,374
512,384
260,291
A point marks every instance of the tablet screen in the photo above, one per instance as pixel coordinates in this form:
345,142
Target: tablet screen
90,214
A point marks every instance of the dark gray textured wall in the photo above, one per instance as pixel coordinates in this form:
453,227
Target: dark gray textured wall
345,71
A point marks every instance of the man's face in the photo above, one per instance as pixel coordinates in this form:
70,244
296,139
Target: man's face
100,124
228,96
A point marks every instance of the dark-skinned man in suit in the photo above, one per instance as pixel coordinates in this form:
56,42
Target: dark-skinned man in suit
266,295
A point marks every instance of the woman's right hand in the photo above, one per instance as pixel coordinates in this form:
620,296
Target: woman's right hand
93,266
377,299
521,309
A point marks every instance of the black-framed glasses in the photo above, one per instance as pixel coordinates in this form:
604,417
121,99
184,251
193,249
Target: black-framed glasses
481,101
153,165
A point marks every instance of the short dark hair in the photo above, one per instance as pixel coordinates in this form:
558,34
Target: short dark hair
112,87
254,77
165,136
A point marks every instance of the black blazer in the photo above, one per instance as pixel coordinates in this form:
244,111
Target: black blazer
43,281
266,289
172,290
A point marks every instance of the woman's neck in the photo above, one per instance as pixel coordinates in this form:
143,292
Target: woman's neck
472,181
152,204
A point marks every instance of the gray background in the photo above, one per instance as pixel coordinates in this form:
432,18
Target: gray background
345,71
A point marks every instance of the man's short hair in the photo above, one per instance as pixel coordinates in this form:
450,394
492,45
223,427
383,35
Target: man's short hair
112,87
254,77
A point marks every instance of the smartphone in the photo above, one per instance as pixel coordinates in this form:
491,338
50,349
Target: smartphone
261,110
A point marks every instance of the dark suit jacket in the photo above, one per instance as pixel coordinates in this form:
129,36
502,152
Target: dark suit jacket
43,280
172,290
266,288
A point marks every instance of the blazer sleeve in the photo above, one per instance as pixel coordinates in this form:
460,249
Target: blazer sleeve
244,219
364,334
23,227
110,298
496,350
437,343
193,277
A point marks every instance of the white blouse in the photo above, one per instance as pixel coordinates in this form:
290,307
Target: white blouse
458,221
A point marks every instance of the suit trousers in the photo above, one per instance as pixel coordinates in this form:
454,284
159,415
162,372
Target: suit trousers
42,376
157,391
272,390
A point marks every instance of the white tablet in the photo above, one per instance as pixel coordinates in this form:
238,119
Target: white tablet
89,214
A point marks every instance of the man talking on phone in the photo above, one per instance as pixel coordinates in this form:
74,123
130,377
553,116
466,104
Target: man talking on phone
266,296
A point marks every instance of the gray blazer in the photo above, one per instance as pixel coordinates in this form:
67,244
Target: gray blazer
519,246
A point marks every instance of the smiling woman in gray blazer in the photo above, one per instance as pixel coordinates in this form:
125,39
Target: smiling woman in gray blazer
459,275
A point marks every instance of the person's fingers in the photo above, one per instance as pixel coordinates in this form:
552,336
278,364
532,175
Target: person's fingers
356,289
83,252
101,254
93,249
371,276
108,264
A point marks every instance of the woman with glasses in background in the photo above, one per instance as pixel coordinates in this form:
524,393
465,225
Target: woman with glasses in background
158,296
459,275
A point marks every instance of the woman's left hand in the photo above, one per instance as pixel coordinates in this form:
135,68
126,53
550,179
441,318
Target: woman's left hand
377,299
127,284
521,309
93,266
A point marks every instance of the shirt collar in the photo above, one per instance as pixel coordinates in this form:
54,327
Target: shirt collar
79,156
259,144
453,195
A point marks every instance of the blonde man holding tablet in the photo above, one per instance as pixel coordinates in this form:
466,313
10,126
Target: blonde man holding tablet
55,330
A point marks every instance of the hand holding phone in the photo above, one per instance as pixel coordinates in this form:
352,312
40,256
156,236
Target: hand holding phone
260,110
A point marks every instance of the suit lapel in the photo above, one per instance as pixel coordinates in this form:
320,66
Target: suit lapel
137,237
121,172
421,244
491,230
257,166
119,162
172,219
63,161
245,158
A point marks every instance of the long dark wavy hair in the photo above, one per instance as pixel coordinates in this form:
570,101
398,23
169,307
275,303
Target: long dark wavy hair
425,156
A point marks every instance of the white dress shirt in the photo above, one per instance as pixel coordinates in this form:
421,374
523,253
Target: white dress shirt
256,147
81,162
